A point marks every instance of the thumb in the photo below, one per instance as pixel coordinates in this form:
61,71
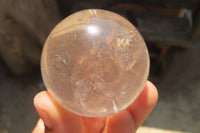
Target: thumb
56,119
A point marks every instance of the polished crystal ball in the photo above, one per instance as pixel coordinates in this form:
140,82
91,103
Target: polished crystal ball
95,63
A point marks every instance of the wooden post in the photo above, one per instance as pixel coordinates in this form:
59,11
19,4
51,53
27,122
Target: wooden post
196,28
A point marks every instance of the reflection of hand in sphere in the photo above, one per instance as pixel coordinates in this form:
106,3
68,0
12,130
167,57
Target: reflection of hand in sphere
95,63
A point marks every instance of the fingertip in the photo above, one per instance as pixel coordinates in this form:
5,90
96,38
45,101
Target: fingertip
40,97
44,108
152,94
148,97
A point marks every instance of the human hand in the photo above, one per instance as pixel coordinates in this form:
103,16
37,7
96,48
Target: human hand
56,119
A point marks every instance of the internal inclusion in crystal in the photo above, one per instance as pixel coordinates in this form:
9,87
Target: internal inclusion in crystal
95,63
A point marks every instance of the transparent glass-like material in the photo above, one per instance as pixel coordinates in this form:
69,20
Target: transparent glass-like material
95,63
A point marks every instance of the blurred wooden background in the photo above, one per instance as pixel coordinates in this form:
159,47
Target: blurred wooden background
25,25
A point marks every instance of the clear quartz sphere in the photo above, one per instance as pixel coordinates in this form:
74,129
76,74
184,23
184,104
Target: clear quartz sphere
95,63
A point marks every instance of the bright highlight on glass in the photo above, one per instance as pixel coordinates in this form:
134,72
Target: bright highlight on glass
92,30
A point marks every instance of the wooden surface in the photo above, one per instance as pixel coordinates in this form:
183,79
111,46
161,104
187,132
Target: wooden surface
157,130
170,30
161,3
170,3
